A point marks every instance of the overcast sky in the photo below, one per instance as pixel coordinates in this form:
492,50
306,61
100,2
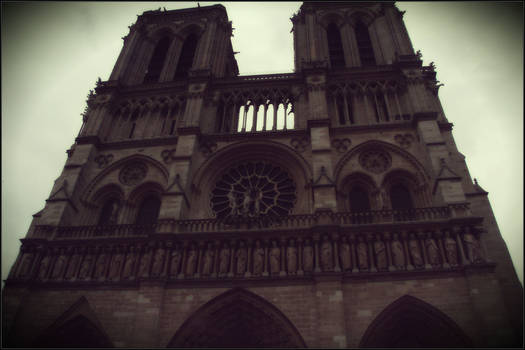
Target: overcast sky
53,52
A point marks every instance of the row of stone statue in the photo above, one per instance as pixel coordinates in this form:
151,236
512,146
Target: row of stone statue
259,257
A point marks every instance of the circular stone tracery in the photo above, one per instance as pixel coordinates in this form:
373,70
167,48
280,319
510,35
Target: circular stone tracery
375,161
253,190
133,173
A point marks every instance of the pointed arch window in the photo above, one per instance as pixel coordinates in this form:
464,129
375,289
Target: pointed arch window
109,212
359,201
157,60
335,46
364,45
148,211
400,198
186,56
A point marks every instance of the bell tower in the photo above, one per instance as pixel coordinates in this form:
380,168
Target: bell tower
167,46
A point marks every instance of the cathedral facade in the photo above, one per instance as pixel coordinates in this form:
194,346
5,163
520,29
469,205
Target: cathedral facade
328,207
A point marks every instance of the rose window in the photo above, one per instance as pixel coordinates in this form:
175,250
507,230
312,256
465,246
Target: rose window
253,190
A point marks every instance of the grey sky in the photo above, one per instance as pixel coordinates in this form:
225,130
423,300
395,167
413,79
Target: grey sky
53,52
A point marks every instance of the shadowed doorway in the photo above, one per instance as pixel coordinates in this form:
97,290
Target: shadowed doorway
237,319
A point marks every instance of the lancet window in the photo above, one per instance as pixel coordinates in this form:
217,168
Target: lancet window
251,111
335,46
359,201
148,211
157,60
364,45
400,197
109,212
186,56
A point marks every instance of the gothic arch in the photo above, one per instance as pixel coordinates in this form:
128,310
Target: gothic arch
106,175
412,322
77,327
422,175
362,180
237,318
267,151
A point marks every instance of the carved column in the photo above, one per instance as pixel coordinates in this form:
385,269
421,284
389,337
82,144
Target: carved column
249,244
404,236
265,269
215,270
183,262
459,242
232,256
478,232
391,266
353,253
282,264
300,271
336,253
421,238
316,253
198,265
369,242
439,239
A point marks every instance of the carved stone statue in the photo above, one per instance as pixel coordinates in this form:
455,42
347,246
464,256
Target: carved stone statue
246,202
415,253
326,255
233,203
258,201
114,268
291,258
144,263
398,256
158,262
346,259
100,269
432,250
224,259
258,259
130,264
175,261
191,261
241,256
362,255
58,269
113,217
275,258
473,247
85,268
451,249
308,256
209,255
380,251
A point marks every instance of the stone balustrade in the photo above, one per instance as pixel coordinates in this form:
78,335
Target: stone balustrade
299,221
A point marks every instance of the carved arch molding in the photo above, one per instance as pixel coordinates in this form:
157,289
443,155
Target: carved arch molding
237,318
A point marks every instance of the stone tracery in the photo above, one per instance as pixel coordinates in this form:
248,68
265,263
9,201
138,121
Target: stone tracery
253,190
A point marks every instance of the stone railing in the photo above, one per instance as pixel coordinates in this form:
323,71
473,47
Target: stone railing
290,222
441,246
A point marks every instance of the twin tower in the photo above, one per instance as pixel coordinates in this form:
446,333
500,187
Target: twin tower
328,207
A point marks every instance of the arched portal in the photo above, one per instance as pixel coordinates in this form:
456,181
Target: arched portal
410,322
78,332
237,319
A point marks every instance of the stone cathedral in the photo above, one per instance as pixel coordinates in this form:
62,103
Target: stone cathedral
328,207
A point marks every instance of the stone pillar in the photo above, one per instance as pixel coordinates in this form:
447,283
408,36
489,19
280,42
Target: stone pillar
337,267
369,242
331,330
